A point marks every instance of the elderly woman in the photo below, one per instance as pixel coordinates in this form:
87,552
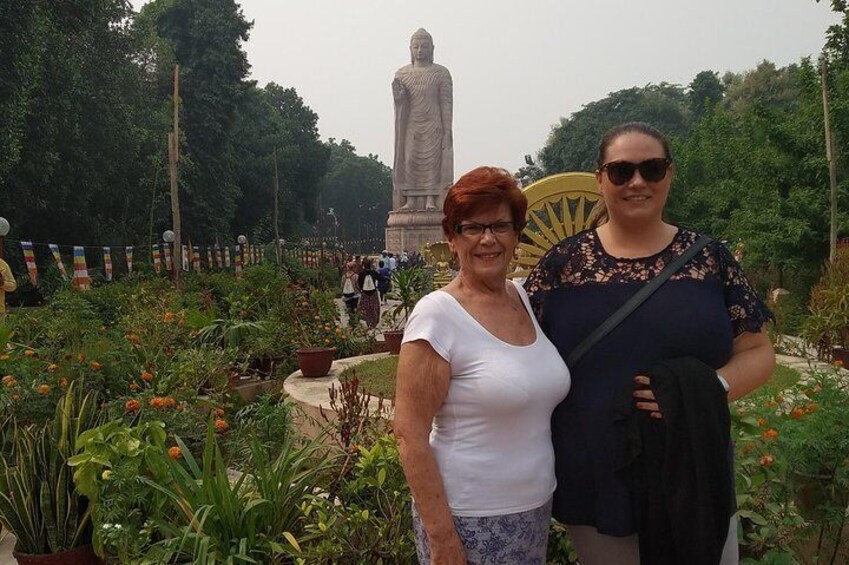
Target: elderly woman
477,382
696,343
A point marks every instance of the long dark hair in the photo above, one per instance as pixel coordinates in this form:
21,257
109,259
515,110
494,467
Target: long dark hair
600,214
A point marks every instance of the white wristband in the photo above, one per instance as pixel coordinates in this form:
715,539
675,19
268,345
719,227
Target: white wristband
723,382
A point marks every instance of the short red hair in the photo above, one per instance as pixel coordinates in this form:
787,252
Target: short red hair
481,189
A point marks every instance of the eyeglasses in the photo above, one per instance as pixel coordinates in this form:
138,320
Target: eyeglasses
473,229
652,170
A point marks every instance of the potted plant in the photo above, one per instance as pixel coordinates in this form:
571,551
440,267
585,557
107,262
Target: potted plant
409,287
316,349
38,501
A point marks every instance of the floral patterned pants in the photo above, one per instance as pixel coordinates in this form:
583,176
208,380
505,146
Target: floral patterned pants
508,539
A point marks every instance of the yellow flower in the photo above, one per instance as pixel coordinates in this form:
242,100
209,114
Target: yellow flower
43,389
29,353
52,368
106,474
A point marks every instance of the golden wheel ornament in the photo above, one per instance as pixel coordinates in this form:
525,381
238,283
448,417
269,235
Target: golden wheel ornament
558,206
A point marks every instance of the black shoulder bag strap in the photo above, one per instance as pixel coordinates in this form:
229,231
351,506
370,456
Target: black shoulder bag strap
634,302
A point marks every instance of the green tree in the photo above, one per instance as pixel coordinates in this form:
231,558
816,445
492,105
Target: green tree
573,143
206,37
80,126
359,189
705,91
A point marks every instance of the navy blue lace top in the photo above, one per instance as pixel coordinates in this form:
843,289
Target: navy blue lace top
698,312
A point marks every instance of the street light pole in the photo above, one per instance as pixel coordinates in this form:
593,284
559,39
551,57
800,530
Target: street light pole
4,231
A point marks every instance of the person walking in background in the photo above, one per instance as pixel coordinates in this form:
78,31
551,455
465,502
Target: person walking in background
477,381
350,286
369,305
7,284
648,406
384,283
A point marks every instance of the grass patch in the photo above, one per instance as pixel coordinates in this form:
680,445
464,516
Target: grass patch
376,377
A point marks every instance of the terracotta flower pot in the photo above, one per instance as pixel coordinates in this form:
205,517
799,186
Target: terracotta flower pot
393,341
315,361
78,556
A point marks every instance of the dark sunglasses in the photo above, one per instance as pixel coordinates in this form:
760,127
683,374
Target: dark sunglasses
652,170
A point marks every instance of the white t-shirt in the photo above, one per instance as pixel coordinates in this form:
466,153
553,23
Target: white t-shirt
492,436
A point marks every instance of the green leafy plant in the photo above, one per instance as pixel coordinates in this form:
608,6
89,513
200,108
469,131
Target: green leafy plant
255,518
111,461
38,500
368,519
408,286
827,326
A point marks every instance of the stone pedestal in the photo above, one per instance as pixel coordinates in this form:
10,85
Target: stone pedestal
408,230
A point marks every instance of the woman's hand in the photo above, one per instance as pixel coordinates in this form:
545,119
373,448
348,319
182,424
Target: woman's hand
449,552
645,397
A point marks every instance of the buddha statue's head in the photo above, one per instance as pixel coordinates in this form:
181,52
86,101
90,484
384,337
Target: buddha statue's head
421,47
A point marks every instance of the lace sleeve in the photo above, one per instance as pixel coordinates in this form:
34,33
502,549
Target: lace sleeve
747,311
545,276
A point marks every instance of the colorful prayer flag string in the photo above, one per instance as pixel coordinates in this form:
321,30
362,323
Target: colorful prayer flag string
81,278
107,263
29,257
57,257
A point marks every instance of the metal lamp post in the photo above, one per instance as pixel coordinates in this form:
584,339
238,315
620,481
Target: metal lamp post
243,241
169,237
4,231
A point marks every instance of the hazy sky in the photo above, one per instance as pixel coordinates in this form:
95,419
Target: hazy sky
518,66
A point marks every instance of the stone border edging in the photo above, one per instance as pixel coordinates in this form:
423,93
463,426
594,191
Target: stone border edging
311,393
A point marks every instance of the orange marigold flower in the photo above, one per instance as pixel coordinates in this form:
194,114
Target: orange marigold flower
219,412
95,366
174,452
43,389
146,377
181,407
767,460
797,413
10,381
747,448
761,421
132,406
133,338
771,433
15,396
839,363
221,425
5,357
169,402
155,402
52,368
81,358
29,353
63,383
810,407
168,316
134,387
